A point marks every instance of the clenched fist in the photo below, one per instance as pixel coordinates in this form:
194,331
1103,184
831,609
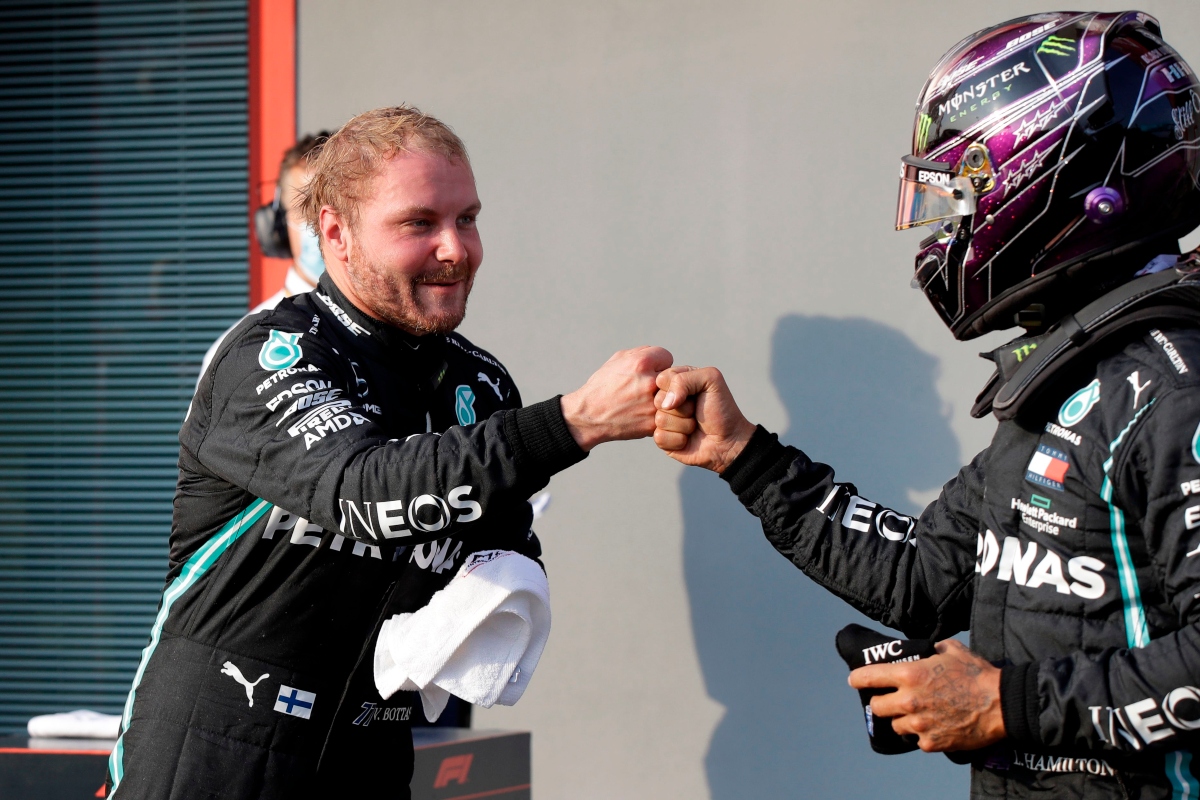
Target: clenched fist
617,402
698,423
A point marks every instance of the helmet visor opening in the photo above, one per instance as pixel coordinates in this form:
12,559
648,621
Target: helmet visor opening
929,195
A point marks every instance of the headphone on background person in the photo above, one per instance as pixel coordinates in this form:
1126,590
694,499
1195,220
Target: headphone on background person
270,227
270,221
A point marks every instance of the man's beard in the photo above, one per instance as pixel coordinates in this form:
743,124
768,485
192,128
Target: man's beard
394,298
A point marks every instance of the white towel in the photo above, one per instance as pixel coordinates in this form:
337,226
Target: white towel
480,638
540,504
75,725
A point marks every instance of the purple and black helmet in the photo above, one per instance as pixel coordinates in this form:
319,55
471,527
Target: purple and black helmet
1050,154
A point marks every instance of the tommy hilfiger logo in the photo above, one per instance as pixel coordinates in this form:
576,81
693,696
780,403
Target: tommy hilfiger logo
1048,468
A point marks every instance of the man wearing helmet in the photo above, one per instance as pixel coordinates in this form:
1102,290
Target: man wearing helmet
1057,159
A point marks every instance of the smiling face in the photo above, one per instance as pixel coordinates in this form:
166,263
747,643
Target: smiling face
411,255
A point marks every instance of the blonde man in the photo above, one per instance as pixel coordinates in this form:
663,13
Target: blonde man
342,455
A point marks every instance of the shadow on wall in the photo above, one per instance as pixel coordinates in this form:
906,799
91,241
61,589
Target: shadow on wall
861,396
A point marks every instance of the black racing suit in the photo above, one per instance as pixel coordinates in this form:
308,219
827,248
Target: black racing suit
1069,549
333,471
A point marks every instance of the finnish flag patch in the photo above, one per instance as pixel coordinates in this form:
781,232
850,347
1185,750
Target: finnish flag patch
295,702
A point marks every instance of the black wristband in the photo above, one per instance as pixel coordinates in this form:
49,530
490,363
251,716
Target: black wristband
1020,703
540,438
763,460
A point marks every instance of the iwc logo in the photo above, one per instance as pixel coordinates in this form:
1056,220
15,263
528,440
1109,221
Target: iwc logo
1079,404
280,351
464,405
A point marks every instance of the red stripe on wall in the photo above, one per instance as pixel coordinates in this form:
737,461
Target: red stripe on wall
272,123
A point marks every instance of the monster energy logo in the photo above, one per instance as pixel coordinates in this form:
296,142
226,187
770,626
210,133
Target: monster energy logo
1024,350
1057,46
923,123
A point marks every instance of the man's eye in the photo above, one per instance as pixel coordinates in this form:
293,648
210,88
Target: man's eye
466,219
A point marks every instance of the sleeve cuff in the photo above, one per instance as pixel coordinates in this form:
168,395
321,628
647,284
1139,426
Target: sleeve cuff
762,461
540,439
1020,703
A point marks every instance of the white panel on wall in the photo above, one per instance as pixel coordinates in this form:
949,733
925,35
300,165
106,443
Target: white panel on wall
720,179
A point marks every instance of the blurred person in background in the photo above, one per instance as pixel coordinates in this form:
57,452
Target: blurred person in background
282,232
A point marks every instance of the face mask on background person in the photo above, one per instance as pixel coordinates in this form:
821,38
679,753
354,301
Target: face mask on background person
309,260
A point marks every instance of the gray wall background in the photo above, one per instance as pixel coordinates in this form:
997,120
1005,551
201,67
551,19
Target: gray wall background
720,179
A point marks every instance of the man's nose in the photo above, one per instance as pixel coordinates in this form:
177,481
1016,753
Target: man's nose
451,249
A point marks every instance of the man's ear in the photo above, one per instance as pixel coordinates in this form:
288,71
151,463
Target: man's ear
335,235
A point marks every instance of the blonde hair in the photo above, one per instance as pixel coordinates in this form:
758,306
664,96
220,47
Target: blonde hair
346,163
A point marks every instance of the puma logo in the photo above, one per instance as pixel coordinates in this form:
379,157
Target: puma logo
1137,390
483,376
228,668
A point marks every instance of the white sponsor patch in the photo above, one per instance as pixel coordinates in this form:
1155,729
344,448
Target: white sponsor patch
1170,351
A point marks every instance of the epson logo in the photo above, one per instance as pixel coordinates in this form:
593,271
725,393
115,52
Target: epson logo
934,177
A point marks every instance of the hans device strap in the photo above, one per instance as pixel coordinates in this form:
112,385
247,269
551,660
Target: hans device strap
860,647
270,228
1170,296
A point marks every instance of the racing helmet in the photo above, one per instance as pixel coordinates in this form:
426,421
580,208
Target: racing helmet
1050,154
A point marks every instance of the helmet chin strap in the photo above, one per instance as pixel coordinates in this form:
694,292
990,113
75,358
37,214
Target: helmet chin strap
956,253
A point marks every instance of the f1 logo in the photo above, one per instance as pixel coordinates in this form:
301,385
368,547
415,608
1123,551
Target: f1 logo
454,768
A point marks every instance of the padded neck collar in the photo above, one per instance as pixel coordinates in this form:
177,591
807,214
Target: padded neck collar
1026,366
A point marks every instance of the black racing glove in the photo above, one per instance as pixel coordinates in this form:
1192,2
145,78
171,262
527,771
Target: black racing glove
860,647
